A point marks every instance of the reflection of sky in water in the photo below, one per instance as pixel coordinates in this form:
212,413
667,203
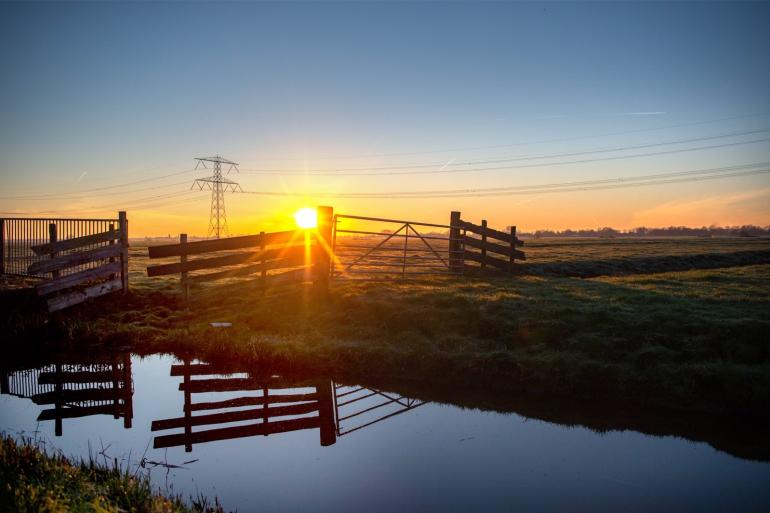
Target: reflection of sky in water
435,457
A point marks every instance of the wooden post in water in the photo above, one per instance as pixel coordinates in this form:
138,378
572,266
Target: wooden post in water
455,247
323,249
513,247
2,246
52,238
483,245
183,261
123,227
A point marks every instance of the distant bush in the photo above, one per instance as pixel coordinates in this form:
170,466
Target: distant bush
671,231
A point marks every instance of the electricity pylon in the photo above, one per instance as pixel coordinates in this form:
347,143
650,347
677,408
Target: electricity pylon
218,186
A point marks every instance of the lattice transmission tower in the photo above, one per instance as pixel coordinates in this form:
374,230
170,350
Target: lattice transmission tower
218,186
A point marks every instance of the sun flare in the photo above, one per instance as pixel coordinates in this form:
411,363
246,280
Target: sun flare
305,218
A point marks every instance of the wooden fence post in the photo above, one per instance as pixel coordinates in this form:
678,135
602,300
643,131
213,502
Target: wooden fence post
123,227
455,258
52,238
112,243
483,246
262,260
2,246
323,248
183,260
513,246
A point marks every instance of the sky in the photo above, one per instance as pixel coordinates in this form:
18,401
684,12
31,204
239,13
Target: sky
104,107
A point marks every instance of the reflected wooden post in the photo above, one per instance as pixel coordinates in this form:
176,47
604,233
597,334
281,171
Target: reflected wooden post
326,413
455,258
183,261
115,386
123,227
57,407
128,400
323,248
5,384
187,408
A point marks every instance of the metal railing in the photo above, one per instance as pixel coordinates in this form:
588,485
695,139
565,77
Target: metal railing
19,234
399,250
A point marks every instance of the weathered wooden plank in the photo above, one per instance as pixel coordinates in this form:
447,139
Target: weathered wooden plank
234,385
254,401
489,260
71,280
240,272
230,243
72,412
234,416
73,298
281,426
495,248
274,259
73,259
77,242
490,232
49,378
73,396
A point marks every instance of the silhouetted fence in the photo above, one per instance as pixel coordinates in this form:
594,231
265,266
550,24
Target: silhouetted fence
19,234
298,254
395,249
82,267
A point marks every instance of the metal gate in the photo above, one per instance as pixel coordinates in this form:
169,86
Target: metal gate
372,248
19,235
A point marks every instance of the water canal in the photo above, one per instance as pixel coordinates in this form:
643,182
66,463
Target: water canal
266,443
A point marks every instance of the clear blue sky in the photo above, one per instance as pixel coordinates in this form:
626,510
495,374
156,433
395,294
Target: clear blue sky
122,91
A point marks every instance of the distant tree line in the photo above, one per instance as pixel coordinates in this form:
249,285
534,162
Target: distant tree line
670,231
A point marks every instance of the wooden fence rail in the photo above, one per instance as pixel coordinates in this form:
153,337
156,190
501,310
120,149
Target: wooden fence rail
300,254
97,265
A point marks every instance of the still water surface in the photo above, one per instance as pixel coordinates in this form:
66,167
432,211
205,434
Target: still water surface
264,443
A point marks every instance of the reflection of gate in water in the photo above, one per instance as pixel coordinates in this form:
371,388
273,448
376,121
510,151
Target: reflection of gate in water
277,406
76,387
366,406
240,403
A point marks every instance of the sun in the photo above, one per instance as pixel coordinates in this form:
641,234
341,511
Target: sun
305,218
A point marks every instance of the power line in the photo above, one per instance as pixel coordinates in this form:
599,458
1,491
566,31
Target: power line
541,164
541,141
618,182
85,195
341,171
107,187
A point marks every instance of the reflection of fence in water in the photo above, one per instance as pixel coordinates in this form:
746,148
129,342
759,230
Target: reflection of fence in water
236,404
361,407
100,386
275,405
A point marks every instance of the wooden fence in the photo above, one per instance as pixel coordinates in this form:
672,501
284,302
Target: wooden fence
82,267
385,249
281,258
482,245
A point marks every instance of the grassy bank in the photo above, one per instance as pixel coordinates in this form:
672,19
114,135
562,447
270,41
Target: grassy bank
34,481
693,340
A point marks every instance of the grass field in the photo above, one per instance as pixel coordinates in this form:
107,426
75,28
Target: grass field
692,340
36,481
